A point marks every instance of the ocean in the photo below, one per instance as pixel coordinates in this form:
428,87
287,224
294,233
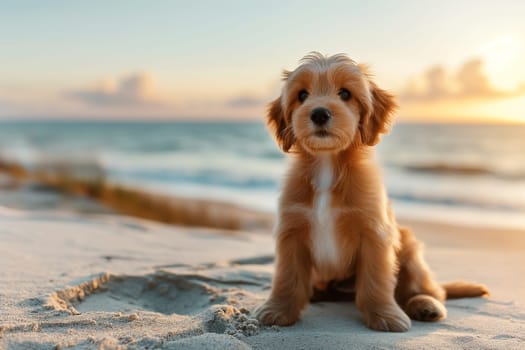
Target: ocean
461,173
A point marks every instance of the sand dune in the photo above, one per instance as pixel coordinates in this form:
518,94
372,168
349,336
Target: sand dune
107,282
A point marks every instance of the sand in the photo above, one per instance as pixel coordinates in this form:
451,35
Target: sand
109,282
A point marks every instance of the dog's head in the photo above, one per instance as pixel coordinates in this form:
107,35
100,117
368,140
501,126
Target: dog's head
329,104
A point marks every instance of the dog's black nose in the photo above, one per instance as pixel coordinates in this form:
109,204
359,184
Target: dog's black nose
320,116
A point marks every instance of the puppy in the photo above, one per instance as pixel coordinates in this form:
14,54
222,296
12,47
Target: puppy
335,223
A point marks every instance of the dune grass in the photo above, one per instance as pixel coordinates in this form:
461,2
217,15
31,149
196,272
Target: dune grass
89,180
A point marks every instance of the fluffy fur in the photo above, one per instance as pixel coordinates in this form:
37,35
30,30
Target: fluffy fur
335,225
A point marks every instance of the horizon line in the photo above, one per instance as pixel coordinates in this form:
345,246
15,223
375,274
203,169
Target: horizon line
247,120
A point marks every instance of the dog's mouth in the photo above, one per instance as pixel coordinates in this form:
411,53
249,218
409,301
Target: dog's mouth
321,140
321,133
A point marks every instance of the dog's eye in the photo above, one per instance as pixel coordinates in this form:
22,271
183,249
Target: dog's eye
302,95
345,94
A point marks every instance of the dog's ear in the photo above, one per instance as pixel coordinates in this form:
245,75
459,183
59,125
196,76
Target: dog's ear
377,117
276,122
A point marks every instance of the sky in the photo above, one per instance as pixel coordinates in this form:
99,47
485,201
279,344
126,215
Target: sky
445,61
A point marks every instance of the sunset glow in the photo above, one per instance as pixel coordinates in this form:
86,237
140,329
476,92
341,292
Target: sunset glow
212,61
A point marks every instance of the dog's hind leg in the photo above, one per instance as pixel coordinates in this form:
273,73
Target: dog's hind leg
418,294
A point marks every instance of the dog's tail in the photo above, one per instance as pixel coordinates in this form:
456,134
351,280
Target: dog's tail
461,289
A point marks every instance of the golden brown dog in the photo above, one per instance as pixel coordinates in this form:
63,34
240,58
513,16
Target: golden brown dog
335,222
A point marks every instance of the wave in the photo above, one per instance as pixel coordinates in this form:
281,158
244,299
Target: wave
462,170
449,201
204,177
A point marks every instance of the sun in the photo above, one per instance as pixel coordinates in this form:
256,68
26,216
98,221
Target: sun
500,52
499,57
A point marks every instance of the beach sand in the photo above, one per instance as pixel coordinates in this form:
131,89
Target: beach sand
111,282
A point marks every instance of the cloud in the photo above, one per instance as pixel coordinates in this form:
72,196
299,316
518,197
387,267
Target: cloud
131,96
244,102
132,90
469,82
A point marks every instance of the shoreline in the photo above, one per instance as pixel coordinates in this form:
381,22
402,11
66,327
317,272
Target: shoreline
22,192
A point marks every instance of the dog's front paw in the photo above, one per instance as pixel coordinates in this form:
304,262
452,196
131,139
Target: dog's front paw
274,313
387,318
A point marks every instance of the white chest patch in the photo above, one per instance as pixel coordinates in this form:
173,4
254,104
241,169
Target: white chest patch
325,248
